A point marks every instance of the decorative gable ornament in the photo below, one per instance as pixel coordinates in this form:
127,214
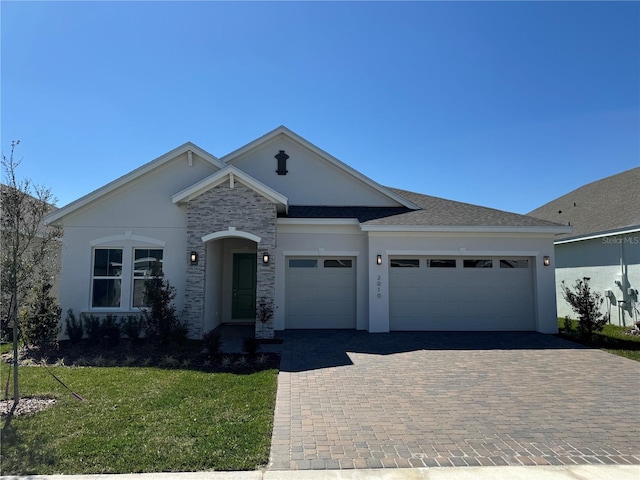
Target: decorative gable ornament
282,162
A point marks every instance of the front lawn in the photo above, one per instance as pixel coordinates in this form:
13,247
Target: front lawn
136,419
613,339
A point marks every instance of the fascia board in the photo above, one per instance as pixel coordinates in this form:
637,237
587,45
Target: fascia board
318,221
282,130
129,177
608,233
221,176
471,229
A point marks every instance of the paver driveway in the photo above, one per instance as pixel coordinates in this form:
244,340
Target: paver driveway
351,399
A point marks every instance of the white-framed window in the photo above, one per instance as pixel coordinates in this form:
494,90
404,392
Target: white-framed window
146,262
106,285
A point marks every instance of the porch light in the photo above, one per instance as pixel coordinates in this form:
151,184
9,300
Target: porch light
194,258
546,261
265,258
379,259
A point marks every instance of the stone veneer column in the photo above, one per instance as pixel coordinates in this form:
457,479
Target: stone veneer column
217,210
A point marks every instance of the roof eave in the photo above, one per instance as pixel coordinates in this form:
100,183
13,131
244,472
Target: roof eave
463,228
58,215
607,233
217,178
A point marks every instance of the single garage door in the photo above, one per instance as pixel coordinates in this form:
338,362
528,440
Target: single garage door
461,293
320,292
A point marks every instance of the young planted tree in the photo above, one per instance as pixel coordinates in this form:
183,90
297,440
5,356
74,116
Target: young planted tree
160,318
587,305
27,246
40,320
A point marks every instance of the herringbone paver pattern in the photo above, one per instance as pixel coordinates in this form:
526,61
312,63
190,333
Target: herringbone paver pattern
351,399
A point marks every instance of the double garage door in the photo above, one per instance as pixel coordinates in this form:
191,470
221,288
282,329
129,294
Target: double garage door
320,292
461,293
425,293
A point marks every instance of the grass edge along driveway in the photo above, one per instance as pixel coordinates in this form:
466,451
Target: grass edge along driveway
141,420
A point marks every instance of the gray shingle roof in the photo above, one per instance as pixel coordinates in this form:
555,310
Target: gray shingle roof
434,212
363,214
606,205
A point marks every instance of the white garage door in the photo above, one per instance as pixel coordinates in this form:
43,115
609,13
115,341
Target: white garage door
320,292
461,293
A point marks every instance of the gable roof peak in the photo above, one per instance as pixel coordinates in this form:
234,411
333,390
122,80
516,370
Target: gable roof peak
303,142
133,175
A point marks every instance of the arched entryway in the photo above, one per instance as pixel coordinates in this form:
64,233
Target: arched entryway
231,274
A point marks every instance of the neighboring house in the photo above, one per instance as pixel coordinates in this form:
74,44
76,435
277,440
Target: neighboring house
604,245
281,221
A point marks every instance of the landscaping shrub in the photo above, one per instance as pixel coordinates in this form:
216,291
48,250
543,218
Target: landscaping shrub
250,346
212,342
110,329
587,305
92,326
131,326
73,327
40,322
266,310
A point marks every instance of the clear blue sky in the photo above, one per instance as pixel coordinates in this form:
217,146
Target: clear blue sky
502,104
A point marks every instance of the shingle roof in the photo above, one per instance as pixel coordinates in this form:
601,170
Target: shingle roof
433,211
363,214
610,204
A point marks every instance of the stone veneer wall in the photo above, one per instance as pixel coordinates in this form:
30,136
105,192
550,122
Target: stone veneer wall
217,210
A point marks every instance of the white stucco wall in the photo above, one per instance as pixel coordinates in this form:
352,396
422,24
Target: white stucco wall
310,180
611,263
140,214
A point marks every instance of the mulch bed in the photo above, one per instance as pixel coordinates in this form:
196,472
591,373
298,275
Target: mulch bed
126,353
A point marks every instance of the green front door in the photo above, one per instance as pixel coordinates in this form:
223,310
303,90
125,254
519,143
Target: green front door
243,305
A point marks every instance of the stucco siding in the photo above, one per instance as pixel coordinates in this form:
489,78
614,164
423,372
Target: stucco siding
139,214
611,263
310,179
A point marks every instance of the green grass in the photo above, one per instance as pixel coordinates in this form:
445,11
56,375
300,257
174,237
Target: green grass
6,347
141,420
612,339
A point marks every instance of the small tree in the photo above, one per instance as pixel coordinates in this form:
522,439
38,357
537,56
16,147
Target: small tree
587,305
41,319
159,317
27,245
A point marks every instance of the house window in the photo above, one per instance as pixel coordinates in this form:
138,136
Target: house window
335,263
303,263
404,263
107,277
510,263
442,263
146,262
473,263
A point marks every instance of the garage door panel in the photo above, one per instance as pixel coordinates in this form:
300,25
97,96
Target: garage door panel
320,293
490,298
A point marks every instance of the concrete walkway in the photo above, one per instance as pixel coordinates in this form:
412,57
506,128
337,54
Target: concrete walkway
353,400
576,472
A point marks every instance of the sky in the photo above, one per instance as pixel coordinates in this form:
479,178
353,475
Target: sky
508,105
